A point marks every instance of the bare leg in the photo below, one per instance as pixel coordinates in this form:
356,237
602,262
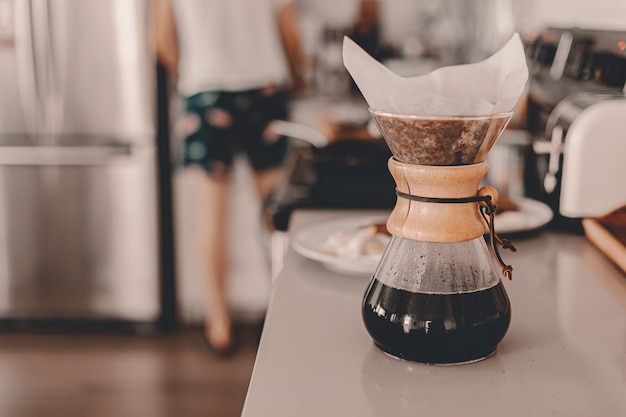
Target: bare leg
267,180
212,200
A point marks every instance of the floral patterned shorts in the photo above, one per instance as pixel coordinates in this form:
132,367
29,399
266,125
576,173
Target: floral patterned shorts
219,124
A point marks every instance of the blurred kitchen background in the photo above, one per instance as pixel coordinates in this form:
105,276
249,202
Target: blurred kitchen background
411,38
95,210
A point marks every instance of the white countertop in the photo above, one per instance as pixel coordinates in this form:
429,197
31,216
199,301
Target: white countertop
564,353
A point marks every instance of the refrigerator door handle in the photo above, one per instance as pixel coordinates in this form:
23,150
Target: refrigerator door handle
27,80
65,155
53,97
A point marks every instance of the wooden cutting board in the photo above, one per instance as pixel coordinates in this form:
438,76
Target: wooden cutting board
608,233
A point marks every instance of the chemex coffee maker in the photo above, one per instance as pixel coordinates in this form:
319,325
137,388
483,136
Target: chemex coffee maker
437,295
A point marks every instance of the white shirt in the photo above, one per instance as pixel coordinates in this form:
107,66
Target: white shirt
229,45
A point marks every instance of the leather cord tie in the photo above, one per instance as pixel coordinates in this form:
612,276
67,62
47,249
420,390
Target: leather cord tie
487,210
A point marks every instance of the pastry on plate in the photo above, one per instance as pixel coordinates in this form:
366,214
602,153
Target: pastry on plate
367,241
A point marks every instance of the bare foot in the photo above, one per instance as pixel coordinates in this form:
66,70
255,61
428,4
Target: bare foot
218,333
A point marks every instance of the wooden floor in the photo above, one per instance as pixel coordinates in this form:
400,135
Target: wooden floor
122,375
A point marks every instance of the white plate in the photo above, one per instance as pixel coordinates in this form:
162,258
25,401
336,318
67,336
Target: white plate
532,214
309,242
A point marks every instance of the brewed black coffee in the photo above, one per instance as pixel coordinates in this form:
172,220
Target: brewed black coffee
436,328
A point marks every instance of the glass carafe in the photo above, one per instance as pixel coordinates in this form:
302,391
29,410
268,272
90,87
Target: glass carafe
443,303
437,295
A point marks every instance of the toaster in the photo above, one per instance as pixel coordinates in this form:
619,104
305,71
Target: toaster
573,71
593,179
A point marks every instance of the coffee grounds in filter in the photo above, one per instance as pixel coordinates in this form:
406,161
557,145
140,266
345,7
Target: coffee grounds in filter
434,141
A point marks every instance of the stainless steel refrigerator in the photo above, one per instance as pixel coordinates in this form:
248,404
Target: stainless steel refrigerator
79,228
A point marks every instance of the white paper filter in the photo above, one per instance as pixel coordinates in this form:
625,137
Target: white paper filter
484,88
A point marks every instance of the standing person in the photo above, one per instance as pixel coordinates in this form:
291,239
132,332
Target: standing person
235,61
